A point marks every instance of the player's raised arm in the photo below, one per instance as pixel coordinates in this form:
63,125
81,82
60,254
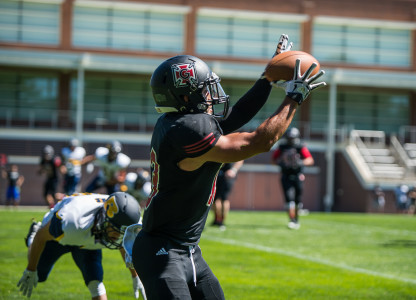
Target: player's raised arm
255,98
242,145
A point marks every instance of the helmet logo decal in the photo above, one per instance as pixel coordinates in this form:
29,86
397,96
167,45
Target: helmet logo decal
184,75
111,207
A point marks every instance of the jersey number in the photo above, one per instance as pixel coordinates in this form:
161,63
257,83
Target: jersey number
155,176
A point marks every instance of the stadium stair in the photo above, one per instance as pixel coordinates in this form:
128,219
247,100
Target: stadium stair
377,161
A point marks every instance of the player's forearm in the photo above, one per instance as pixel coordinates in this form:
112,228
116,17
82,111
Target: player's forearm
242,145
309,161
133,272
238,165
273,128
35,252
88,159
36,248
123,255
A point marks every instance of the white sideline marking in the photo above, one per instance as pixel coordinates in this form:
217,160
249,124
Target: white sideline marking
305,257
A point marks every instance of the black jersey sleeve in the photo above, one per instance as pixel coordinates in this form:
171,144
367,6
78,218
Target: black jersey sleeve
247,107
195,134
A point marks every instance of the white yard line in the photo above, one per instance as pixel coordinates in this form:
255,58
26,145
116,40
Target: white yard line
305,257
367,229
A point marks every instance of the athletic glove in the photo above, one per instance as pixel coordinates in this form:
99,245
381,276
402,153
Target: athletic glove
28,281
282,45
138,288
300,86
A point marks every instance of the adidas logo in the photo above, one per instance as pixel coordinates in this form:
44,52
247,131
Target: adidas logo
162,252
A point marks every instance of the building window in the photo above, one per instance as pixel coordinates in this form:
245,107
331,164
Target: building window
121,101
377,111
366,44
30,22
243,34
237,90
128,27
28,96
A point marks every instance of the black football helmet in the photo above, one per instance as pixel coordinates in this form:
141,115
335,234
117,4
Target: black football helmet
187,75
293,136
120,210
48,152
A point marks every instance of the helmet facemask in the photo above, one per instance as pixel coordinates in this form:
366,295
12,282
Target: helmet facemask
119,211
107,233
214,96
113,237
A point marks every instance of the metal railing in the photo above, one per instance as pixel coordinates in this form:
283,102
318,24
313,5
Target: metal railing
65,119
401,153
126,121
407,134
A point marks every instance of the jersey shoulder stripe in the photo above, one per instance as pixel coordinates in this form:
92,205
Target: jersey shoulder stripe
200,145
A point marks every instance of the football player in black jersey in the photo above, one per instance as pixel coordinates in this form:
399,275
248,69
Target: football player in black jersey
190,142
292,155
225,182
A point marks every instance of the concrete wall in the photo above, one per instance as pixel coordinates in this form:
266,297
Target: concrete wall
253,190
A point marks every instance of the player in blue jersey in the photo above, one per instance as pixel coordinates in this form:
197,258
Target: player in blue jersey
190,142
81,224
15,182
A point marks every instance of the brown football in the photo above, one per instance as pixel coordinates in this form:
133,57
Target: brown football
282,66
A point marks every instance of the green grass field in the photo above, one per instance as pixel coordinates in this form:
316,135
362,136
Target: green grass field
332,256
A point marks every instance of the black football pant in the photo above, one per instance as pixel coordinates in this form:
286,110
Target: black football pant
224,187
170,271
88,261
289,182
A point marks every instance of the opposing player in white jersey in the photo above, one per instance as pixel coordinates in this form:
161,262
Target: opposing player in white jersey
113,167
138,185
81,224
71,168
